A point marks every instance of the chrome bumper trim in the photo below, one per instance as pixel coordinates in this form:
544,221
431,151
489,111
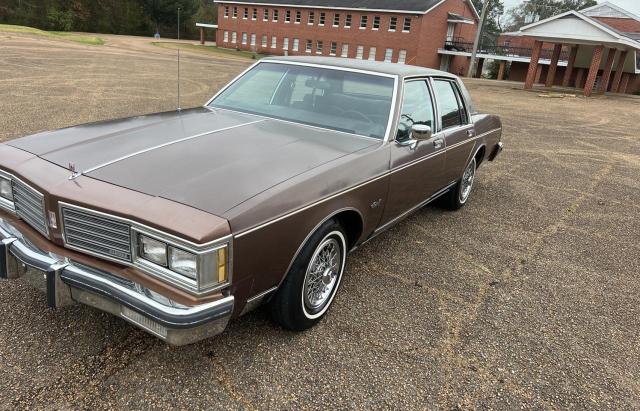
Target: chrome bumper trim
66,282
496,150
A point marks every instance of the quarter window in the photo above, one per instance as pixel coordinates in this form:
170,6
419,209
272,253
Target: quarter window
416,108
407,24
376,22
452,112
347,21
393,24
363,21
336,20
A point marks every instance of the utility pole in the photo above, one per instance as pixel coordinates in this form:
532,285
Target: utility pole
476,42
179,108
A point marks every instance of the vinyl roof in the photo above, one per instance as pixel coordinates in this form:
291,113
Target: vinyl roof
417,6
394,69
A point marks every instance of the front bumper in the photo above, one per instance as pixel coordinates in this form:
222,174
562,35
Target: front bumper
67,282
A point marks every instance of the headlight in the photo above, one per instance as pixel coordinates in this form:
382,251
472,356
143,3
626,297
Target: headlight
152,250
6,191
183,262
198,269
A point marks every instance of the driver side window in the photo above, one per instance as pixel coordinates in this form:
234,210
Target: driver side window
416,108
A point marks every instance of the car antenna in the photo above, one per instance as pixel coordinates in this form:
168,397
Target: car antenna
179,108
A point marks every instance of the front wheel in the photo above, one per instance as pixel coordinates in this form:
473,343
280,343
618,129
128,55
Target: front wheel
457,197
313,280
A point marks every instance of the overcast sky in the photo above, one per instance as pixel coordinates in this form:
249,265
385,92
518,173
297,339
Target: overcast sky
632,5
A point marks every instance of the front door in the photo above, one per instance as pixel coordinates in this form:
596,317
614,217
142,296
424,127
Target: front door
417,168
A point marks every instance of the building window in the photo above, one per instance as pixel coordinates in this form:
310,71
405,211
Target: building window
393,24
312,18
319,47
360,52
347,22
336,20
244,38
275,15
234,37
388,55
226,12
323,16
225,37
235,12
363,21
309,46
402,56
245,15
253,39
376,22
334,48
287,16
407,25
254,16
296,44
345,50
285,43
372,53
298,16
264,40
265,15
274,42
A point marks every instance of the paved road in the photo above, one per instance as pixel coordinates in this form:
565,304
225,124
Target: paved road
528,297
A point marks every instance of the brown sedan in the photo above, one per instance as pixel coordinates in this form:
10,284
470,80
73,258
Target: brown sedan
178,222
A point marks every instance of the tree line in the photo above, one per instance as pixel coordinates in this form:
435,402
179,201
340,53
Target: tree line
133,17
146,17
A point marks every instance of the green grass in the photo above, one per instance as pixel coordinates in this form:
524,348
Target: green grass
55,35
207,49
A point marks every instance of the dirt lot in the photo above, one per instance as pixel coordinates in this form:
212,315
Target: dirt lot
528,297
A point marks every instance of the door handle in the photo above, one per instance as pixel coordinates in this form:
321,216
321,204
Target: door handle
438,142
471,133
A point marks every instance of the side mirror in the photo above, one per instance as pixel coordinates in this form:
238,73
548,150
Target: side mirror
421,132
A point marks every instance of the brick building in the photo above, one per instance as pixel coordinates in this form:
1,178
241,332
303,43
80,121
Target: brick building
400,31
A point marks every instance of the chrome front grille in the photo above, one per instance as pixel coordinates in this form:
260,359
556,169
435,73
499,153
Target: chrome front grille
29,206
97,234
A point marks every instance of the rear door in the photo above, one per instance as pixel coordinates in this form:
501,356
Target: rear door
416,167
456,125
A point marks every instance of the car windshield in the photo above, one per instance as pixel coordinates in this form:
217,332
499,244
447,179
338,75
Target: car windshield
335,99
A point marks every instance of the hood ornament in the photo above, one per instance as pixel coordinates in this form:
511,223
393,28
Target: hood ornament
74,173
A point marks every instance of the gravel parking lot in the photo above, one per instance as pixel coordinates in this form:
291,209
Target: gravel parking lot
528,297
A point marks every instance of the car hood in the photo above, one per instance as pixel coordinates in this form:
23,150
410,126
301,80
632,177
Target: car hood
209,159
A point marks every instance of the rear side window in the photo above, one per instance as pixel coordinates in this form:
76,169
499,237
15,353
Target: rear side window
450,107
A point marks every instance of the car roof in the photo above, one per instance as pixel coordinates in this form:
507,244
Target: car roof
394,69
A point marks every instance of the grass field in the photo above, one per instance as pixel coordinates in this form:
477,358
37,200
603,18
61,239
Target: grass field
208,49
78,38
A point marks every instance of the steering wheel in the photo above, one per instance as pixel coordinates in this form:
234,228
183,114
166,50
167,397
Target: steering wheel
362,116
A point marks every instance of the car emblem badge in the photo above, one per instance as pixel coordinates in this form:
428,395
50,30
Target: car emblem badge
74,173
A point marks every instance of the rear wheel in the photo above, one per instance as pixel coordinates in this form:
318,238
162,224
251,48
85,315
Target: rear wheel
313,280
457,197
